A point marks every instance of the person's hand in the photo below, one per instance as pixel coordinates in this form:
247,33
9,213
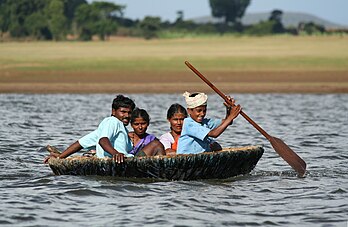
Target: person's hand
231,103
170,152
215,146
119,157
52,155
232,109
234,112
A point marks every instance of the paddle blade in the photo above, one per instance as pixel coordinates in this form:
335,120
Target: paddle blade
289,156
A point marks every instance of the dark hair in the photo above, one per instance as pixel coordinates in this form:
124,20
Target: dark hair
122,101
140,113
176,108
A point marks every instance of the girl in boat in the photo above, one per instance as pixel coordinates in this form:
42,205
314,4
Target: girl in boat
144,144
175,116
198,131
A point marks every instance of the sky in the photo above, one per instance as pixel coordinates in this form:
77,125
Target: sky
332,10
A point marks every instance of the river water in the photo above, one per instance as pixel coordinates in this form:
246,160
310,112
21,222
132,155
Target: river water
315,127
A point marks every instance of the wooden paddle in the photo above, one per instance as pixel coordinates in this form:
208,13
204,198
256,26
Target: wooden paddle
278,145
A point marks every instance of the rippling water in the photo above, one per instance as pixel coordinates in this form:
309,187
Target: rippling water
315,126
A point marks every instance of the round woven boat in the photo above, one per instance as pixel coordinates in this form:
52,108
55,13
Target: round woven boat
223,164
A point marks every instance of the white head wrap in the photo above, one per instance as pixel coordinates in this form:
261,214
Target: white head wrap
198,100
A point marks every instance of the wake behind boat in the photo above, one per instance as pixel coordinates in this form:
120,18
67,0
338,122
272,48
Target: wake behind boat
223,164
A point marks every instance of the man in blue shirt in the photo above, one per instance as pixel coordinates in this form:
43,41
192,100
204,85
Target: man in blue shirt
110,139
198,131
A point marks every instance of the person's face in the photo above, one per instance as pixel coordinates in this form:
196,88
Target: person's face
139,126
123,114
176,122
198,113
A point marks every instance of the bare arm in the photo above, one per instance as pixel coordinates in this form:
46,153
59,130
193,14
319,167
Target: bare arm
225,123
73,148
106,145
170,151
229,107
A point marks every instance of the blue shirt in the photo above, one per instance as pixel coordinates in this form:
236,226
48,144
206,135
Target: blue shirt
194,139
89,141
115,131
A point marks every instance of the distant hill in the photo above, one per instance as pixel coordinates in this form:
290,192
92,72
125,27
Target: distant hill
288,19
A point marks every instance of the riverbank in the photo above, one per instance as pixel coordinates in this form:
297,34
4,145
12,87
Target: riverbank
147,82
277,64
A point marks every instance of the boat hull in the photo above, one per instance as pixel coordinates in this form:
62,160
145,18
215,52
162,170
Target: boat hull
208,165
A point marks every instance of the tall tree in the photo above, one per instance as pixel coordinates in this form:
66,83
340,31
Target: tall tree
85,19
276,18
70,7
4,17
107,12
97,18
150,26
37,27
20,11
57,22
107,9
231,10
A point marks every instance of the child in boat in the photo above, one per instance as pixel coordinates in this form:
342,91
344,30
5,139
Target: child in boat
175,116
197,130
140,121
110,139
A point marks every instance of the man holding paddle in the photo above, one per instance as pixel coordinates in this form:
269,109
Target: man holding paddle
284,151
197,130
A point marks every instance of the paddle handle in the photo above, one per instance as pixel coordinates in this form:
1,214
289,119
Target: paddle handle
253,123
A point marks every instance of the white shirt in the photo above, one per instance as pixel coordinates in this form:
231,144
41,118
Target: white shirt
167,140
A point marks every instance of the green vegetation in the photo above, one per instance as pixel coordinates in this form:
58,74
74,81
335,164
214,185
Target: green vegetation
61,20
230,11
227,53
54,19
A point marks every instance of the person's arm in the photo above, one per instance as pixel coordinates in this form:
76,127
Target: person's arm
225,123
73,148
170,152
153,148
229,108
106,145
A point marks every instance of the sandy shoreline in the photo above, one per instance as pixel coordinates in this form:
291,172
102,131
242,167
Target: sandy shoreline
86,88
174,82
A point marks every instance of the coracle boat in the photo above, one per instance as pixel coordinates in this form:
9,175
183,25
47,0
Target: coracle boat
223,164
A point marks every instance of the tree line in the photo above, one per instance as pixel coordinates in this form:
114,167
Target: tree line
55,19
60,19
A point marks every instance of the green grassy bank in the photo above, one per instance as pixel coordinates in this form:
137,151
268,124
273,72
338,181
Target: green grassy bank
214,53
305,64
